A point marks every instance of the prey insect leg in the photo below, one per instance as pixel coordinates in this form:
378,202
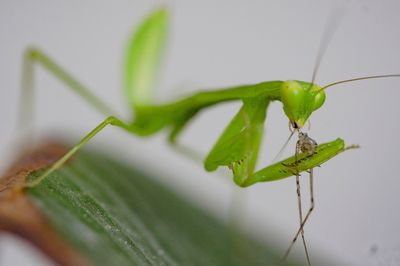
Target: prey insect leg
306,145
298,191
305,218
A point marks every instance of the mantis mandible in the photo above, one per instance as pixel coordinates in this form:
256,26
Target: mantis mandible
238,145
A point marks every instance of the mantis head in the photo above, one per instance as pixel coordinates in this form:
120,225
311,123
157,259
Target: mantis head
299,100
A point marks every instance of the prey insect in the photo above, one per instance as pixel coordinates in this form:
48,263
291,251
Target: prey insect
237,147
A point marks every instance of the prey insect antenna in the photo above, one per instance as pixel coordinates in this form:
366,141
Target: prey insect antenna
360,78
278,155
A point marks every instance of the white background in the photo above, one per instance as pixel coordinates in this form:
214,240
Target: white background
215,44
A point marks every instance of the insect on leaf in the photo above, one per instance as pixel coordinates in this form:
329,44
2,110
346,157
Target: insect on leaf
143,56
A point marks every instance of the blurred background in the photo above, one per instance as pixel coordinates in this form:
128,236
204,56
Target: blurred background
215,44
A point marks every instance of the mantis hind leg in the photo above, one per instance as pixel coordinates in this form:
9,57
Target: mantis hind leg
34,56
108,121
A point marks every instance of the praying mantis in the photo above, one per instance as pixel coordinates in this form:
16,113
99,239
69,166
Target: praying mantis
238,146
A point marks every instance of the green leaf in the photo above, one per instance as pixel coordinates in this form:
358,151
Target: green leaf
143,57
116,215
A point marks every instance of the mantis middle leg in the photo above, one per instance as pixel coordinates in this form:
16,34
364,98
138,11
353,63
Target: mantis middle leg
108,121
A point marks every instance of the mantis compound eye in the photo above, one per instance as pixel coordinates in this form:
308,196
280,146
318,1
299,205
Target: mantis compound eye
319,99
292,96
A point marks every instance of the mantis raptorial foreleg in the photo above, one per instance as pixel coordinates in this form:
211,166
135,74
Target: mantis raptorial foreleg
239,144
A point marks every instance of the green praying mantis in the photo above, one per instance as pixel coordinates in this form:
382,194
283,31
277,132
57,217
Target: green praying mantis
238,145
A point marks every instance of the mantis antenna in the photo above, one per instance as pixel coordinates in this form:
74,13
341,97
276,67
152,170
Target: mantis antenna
332,24
360,78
